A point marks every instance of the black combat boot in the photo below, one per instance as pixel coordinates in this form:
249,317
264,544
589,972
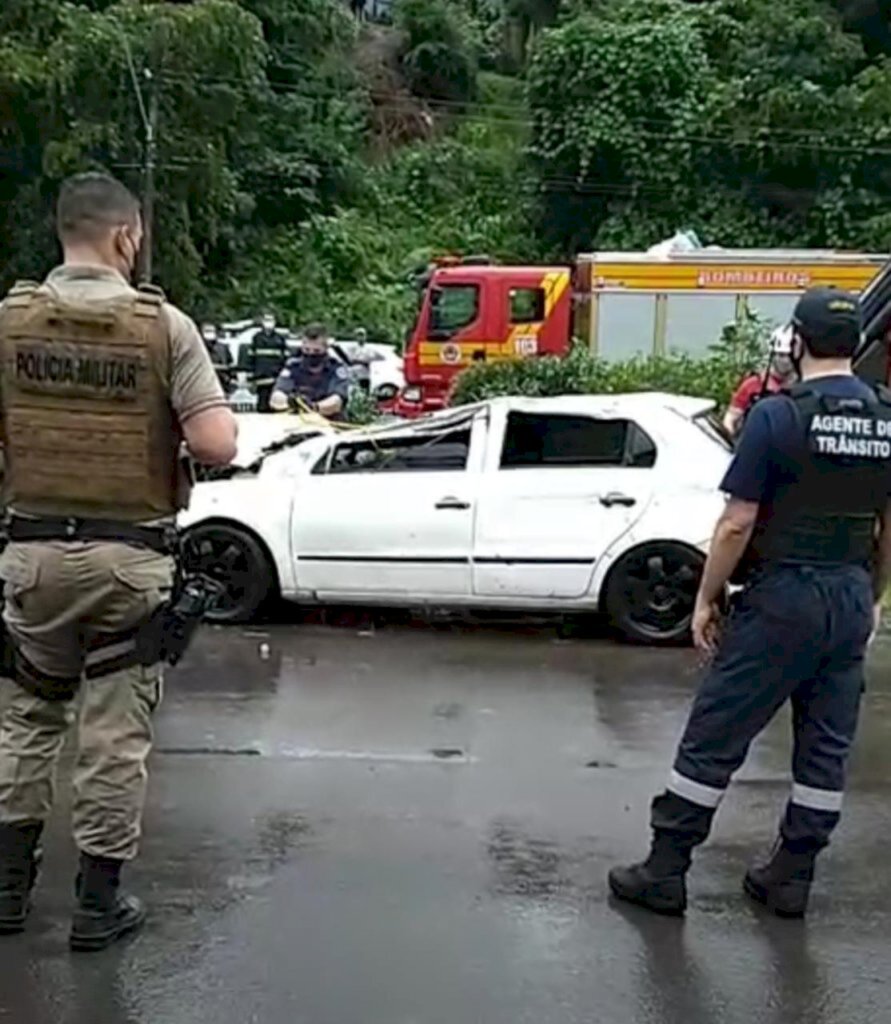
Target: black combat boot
659,883
104,914
20,857
783,883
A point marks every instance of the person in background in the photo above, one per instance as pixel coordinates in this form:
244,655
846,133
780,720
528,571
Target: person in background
219,353
266,354
314,377
780,373
362,358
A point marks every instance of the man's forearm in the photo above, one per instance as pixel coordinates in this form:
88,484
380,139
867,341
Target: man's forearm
732,420
727,548
331,405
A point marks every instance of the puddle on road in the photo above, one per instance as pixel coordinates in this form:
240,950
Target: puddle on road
524,866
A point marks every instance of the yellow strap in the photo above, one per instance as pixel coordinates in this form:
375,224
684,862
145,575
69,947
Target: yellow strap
305,409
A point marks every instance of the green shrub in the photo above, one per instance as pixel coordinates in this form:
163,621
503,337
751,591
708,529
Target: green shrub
361,408
441,54
740,350
441,72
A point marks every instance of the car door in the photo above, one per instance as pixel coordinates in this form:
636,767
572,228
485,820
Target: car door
391,516
559,491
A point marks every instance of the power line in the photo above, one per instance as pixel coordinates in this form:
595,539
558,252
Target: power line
776,137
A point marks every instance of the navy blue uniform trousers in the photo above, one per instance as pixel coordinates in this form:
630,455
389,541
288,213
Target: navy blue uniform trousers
799,634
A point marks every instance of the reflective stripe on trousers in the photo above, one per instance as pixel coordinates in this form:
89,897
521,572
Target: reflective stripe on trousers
799,634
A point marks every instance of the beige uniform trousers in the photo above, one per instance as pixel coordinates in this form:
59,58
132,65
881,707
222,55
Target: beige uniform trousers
59,597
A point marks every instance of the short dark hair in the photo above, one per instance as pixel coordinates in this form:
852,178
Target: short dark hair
92,204
316,332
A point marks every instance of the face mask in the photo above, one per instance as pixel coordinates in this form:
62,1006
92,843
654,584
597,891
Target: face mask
783,366
314,359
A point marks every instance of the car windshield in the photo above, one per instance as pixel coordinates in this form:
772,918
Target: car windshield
710,424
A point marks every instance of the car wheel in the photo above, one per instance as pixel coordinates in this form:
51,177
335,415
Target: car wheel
651,590
238,561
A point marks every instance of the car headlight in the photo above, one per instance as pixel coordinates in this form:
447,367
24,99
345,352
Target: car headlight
412,393
386,392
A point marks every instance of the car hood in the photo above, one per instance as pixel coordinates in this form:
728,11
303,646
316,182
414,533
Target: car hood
258,431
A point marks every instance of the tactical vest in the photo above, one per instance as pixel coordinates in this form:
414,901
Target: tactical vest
829,515
87,422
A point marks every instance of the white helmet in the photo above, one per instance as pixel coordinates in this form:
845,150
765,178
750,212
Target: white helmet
781,341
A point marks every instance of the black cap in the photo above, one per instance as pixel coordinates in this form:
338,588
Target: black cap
829,320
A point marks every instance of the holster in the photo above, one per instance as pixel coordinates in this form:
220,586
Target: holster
164,637
167,634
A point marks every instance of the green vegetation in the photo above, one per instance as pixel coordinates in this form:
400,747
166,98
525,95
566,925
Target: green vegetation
309,163
740,350
352,266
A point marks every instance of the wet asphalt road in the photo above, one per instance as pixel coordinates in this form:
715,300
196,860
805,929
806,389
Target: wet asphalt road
413,827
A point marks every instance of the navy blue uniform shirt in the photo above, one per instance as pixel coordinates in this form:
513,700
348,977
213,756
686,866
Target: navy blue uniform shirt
313,386
772,444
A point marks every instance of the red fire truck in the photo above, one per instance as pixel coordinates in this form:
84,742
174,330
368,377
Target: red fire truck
618,304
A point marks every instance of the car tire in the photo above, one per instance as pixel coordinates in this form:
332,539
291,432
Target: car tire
650,592
238,560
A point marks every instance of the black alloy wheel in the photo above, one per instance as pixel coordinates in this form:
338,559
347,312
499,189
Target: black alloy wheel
237,560
651,591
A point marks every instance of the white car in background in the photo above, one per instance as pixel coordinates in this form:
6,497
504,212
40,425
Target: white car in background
570,504
386,374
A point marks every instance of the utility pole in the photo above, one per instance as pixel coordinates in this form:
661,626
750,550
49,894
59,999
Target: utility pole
148,186
149,127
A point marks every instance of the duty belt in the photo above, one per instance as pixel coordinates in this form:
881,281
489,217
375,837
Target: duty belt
162,539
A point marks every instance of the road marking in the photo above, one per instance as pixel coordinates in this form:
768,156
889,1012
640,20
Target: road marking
451,756
439,755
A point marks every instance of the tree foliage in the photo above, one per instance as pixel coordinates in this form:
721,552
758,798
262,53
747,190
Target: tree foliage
257,120
352,267
441,49
754,122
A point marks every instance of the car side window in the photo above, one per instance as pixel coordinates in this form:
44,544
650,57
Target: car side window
452,307
415,454
542,440
527,305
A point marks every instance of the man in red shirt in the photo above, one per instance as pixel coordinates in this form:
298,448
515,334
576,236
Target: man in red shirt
779,374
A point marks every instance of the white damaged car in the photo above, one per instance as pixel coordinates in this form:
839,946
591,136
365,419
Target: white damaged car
571,504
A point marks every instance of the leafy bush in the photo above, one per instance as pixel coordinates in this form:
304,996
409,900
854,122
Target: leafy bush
441,72
462,194
361,408
741,349
442,46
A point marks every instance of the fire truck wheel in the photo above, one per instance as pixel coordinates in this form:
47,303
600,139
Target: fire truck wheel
650,592
239,560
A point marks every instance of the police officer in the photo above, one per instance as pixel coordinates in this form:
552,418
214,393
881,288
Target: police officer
807,529
100,385
320,381
219,353
264,358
